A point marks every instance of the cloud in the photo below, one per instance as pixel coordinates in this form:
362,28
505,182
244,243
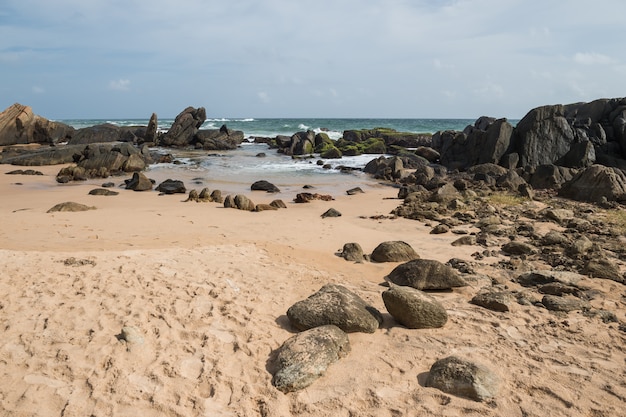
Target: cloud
263,96
38,90
119,85
592,59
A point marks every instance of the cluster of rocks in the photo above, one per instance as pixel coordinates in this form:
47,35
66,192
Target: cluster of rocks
325,318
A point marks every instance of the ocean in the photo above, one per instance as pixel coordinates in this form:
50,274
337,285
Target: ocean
234,171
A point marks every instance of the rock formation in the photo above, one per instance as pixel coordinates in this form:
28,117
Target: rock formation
19,125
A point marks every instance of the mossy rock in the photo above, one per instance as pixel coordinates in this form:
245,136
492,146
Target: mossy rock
351,150
331,153
374,146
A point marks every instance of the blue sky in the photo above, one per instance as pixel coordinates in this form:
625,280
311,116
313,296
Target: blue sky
322,58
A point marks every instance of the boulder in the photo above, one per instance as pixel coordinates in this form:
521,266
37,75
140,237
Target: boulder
413,308
139,182
184,128
151,130
218,139
603,268
278,204
263,185
352,252
461,377
244,203
494,300
305,357
264,207
551,176
393,251
595,184
19,125
517,247
102,133
564,303
426,274
335,304
170,186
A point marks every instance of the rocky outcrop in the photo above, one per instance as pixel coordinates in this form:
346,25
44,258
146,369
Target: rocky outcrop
221,139
390,137
184,128
335,304
19,125
595,184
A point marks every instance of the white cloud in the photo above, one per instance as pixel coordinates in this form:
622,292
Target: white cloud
38,90
592,58
263,96
119,85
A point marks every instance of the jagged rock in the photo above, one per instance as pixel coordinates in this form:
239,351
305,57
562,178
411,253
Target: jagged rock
263,185
170,186
595,184
308,197
352,252
603,268
413,308
151,130
551,176
335,304
393,251
305,357
70,206
44,156
19,125
463,378
426,274
184,128
331,212
139,182
494,300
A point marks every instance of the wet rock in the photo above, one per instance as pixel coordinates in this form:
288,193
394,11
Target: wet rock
426,274
305,357
335,304
139,182
413,308
393,251
457,376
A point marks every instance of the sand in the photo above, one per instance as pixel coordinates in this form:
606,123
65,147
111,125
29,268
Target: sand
203,290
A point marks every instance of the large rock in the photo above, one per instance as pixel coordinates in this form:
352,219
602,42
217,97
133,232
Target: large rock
170,186
595,184
305,357
393,251
263,185
426,274
413,308
152,129
19,125
51,155
463,378
139,182
222,139
184,128
102,133
335,304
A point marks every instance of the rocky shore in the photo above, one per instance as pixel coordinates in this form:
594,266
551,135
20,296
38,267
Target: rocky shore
486,277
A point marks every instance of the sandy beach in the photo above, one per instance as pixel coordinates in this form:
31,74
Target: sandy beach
207,288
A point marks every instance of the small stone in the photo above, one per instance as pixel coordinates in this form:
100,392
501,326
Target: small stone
331,212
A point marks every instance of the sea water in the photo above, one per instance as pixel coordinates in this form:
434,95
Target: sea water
234,171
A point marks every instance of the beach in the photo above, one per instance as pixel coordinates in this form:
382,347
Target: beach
205,289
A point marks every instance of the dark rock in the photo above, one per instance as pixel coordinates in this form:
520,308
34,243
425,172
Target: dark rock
216,196
331,212
243,203
308,197
265,207
494,300
139,182
352,252
413,308
516,247
45,156
534,278
70,206
551,176
108,185
96,134
440,229
150,135
353,191
393,251
564,304
184,128
103,191
463,378
603,268
170,186
595,183
278,204
426,274
263,185
218,139
335,304
305,357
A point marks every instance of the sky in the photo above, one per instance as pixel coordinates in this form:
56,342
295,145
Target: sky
323,58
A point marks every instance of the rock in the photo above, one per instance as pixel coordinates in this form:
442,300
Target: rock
24,172
468,240
139,182
331,212
103,191
229,202
428,153
134,163
534,278
353,191
218,139
184,128
216,196
426,274
19,125
44,156
352,252
70,206
550,176
265,207
463,378
554,238
305,357
603,268
560,216
205,195
335,304
413,308
151,130
193,196
170,186
439,229
494,300
595,184
243,203
393,251
278,204
102,133
516,247
564,304
263,185
308,197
